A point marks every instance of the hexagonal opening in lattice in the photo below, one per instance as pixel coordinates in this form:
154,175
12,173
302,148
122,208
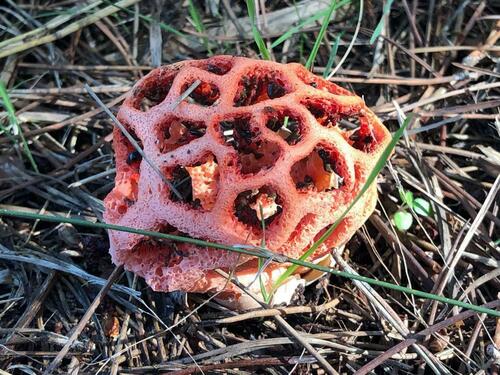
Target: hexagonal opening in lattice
218,66
259,85
322,170
254,153
205,94
175,132
324,111
364,136
154,89
258,208
284,122
196,184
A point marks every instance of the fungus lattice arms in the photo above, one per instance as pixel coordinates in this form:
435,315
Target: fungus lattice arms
255,141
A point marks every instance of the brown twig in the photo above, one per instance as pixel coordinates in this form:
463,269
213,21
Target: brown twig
84,320
419,336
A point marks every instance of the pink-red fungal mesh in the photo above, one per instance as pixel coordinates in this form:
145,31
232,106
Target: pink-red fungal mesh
226,149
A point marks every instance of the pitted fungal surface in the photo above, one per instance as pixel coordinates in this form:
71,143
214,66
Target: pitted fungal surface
256,144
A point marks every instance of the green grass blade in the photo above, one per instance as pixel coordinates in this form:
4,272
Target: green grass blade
163,25
371,179
307,21
298,28
254,252
317,43
261,282
332,56
14,123
263,290
195,16
198,24
380,25
351,44
256,33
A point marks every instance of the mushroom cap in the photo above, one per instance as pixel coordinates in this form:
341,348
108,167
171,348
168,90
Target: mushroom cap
256,143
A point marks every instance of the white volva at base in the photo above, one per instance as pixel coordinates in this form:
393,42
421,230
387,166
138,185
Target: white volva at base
286,291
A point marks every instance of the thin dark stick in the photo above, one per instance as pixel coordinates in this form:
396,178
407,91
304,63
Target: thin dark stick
418,336
131,139
245,363
83,322
186,93
286,327
256,252
34,306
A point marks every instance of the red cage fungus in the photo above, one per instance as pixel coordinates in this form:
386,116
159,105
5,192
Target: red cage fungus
255,142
